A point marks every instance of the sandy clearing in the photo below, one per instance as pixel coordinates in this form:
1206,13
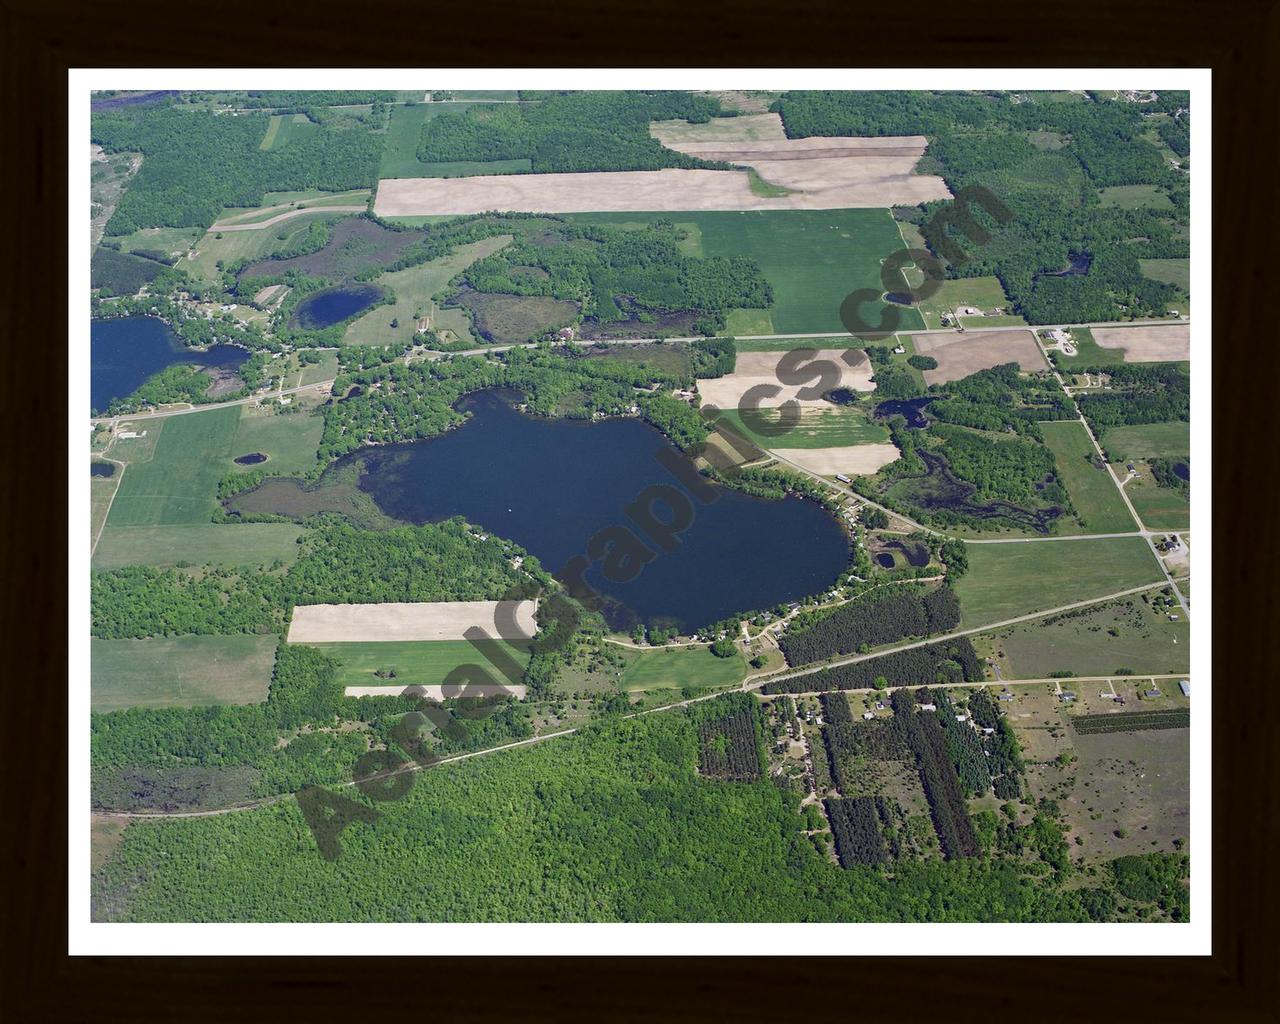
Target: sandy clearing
1158,344
836,183
445,620
852,461
959,355
761,368
436,692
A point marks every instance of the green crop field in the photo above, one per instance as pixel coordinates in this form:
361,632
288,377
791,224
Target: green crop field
1147,441
1092,642
1098,503
423,662
180,482
289,440
1134,197
413,288
1159,508
678,667
837,427
186,671
812,258
197,544
1014,578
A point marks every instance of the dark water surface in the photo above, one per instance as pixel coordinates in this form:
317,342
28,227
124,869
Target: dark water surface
102,469
252,459
550,485
910,408
124,352
333,305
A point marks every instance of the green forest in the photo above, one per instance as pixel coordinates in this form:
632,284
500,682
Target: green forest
573,131
196,162
612,825
987,140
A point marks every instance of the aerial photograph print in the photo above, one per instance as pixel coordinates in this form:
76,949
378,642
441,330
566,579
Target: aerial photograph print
612,504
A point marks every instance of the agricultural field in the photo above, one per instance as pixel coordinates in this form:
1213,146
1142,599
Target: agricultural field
1092,641
197,544
179,482
1159,508
1008,579
289,440
1147,441
404,663
285,128
228,247
1093,491
187,671
414,289
1176,272
677,667
960,355
760,369
834,427
404,132
812,259
406,621
1160,344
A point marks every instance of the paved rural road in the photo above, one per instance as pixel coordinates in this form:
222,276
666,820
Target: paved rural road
255,225
942,637
267,801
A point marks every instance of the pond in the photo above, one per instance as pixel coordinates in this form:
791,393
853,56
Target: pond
125,351
252,459
912,409
333,305
841,396
550,485
1182,470
1077,263
102,469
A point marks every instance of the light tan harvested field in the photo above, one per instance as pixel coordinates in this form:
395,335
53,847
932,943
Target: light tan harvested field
830,173
1159,344
445,620
826,174
852,461
761,368
433,691
959,355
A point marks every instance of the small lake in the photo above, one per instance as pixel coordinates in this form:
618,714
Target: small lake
252,459
912,409
124,352
1077,263
102,469
551,484
333,305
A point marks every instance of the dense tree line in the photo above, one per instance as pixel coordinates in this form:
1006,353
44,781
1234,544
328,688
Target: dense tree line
141,601
1002,399
855,825
1140,393
1165,473
924,736
616,274
197,162
984,140
713,357
963,745
729,743
1001,467
577,131
879,617
946,661
113,272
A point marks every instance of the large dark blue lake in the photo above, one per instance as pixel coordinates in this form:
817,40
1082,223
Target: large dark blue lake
551,485
126,351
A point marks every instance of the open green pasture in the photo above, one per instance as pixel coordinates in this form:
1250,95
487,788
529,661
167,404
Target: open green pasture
185,671
837,427
413,288
1147,441
425,662
677,667
1015,578
1099,506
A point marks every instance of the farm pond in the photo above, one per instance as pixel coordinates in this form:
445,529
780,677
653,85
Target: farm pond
333,305
125,351
552,485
